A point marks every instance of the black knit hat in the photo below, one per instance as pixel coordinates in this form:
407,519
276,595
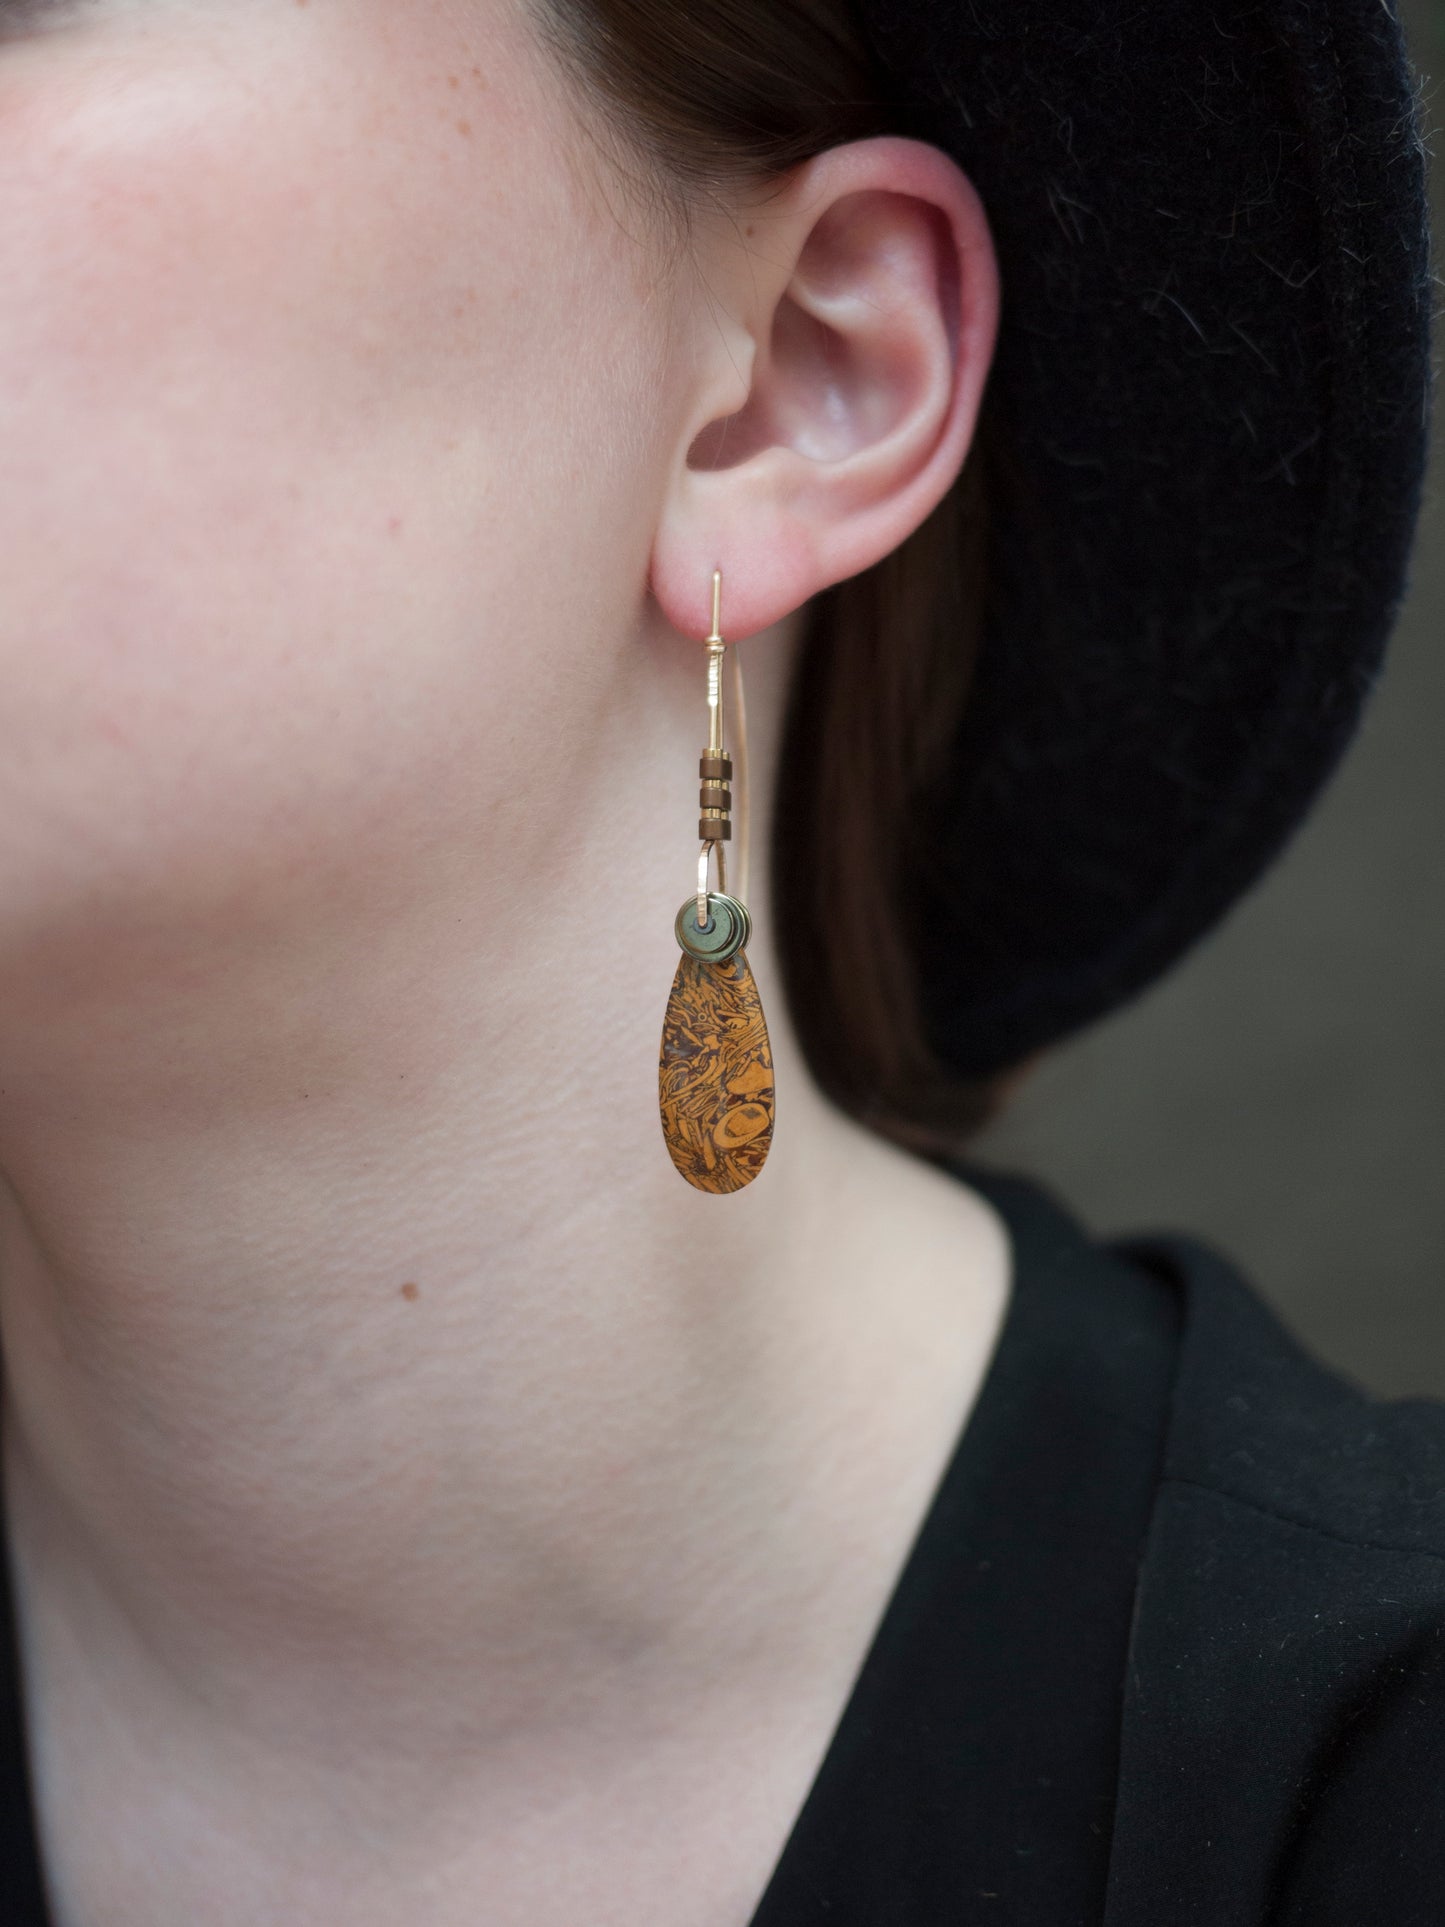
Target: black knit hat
1212,378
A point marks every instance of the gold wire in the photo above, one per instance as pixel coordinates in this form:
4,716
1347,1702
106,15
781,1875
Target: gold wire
740,778
716,650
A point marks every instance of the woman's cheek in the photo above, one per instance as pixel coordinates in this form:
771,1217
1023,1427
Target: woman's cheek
279,404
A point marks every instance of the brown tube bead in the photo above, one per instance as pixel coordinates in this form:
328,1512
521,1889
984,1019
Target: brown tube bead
715,768
713,796
714,829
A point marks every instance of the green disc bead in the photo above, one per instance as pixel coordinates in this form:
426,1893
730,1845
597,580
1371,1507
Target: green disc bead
725,933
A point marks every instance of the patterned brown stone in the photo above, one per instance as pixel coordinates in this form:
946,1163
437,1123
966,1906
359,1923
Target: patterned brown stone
715,1075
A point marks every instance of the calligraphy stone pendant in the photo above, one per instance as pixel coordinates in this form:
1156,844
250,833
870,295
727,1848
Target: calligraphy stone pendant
715,1075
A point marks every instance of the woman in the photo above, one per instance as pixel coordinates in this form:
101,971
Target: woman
421,1506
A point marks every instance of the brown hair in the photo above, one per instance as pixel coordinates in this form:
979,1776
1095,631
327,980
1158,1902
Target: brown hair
724,95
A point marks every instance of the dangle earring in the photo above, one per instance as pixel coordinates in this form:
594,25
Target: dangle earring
715,1075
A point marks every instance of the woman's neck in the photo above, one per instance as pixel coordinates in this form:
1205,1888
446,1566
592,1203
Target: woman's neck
378,1393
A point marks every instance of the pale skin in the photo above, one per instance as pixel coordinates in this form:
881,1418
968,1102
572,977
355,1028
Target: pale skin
424,1506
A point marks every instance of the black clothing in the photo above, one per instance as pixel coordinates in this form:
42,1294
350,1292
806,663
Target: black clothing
1168,1649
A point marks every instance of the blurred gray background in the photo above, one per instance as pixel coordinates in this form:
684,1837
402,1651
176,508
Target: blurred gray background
1282,1093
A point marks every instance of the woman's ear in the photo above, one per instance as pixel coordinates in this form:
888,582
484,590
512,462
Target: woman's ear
844,329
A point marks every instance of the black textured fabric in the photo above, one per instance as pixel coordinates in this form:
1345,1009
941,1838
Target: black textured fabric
22,1902
1208,408
1168,1649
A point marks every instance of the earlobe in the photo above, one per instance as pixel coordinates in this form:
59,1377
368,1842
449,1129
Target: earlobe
870,296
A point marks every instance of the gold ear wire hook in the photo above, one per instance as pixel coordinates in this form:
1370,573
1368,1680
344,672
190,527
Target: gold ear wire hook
716,769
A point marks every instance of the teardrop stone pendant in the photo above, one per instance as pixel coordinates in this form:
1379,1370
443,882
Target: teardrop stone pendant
715,1076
